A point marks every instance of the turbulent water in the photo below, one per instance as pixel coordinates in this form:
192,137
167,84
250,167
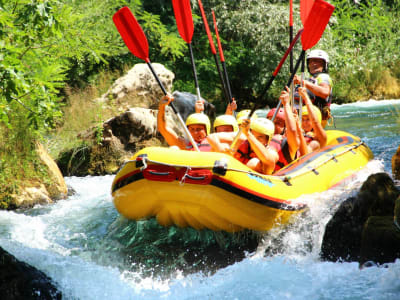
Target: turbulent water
92,253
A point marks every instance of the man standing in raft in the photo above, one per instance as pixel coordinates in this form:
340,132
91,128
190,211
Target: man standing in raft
319,86
198,124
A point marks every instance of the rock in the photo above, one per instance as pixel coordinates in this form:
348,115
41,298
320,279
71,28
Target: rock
397,211
380,241
184,103
396,164
58,188
29,196
19,280
343,233
139,87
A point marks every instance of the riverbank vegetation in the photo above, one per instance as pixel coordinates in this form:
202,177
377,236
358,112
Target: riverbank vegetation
57,56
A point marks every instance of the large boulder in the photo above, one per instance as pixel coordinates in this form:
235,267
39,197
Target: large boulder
138,88
19,280
396,164
350,227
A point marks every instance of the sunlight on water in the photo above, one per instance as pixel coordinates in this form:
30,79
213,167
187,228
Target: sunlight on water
91,252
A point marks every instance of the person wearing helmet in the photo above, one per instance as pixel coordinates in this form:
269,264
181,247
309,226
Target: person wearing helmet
314,134
279,121
319,85
255,152
225,123
198,124
286,141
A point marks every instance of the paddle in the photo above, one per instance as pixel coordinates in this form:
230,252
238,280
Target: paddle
213,50
136,41
222,58
314,27
184,22
305,7
290,41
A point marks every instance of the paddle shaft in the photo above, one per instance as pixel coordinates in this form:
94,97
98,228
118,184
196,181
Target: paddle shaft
213,50
222,58
196,82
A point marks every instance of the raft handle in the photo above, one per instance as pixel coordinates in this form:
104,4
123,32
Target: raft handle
220,167
159,173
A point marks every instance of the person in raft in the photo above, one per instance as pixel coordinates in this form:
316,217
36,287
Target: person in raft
319,85
312,134
225,123
286,140
255,152
198,125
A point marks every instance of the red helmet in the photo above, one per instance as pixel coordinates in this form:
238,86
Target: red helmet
279,115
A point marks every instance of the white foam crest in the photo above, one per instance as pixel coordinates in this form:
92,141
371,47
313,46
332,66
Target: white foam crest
368,103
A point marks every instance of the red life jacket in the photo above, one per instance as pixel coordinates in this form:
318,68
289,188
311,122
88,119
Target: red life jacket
281,146
244,153
308,137
203,146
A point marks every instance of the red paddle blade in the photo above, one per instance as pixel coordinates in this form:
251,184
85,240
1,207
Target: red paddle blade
317,20
291,13
210,39
132,33
221,53
305,7
184,19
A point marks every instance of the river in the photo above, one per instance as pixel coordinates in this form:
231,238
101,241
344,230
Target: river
92,253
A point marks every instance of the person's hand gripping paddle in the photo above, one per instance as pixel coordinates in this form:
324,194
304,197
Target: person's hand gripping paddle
136,41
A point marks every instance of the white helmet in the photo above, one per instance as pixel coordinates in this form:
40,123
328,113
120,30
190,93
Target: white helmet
321,54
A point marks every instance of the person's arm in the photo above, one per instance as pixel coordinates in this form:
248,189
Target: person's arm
231,108
290,123
216,144
267,156
199,106
322,90
169,135
303,148
320,134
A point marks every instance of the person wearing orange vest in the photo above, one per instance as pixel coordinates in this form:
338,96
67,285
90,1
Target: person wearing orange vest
198,124
286,141
255,152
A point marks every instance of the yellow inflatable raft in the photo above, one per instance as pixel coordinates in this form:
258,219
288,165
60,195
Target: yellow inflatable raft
215,191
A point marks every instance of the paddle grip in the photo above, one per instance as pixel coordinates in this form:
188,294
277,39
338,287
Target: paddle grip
228,86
